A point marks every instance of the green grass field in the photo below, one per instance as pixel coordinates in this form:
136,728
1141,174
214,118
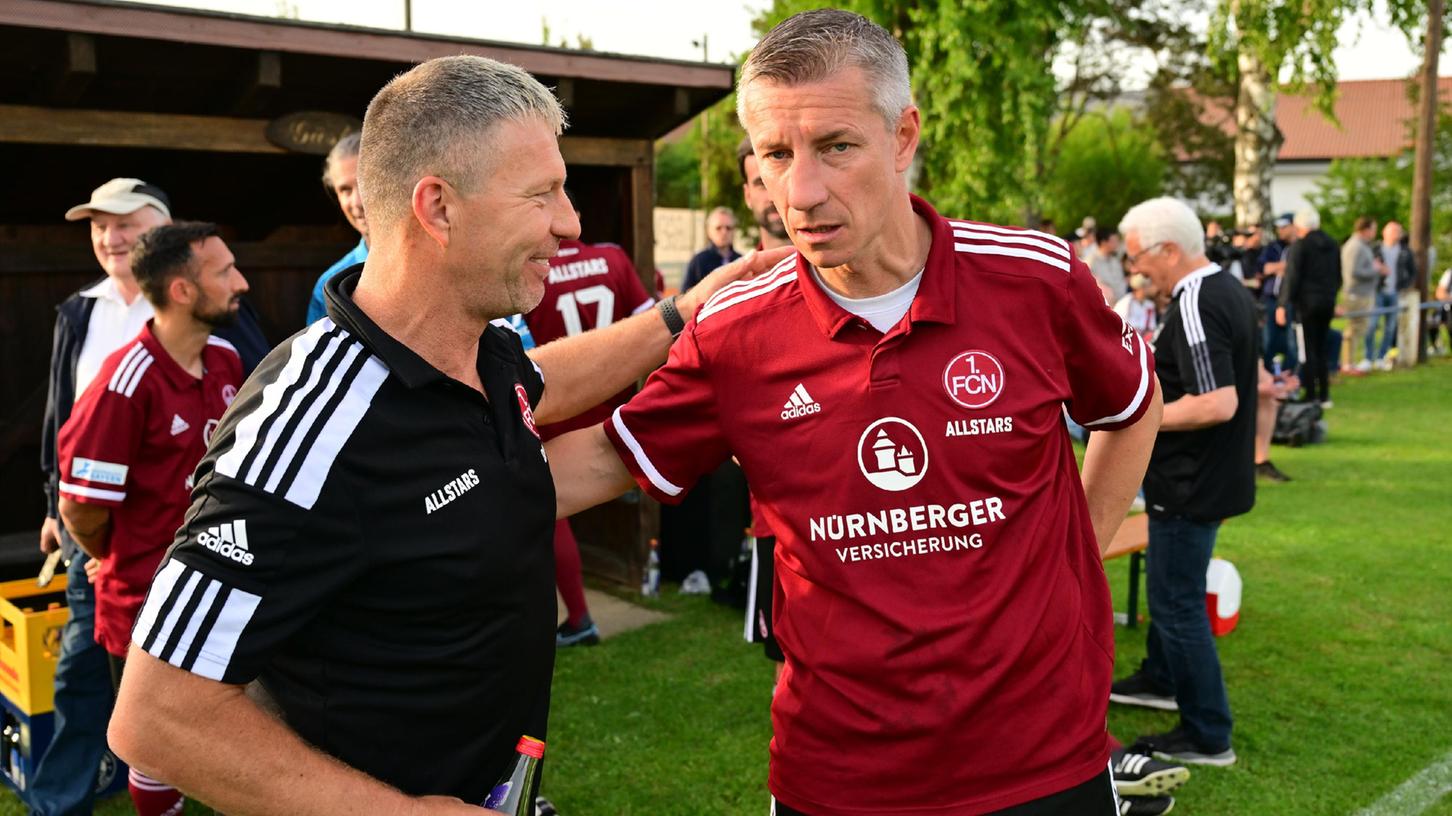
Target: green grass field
1338,673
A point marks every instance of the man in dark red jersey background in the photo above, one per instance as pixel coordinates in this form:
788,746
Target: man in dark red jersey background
138,431
589,287
941,602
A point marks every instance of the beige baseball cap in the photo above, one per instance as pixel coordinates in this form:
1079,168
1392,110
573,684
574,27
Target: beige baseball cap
121,196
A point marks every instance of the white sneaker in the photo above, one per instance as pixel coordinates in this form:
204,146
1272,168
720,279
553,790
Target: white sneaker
1384,365
1363,366
1327,404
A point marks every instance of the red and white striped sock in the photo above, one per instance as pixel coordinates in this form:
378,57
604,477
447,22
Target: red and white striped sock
153,798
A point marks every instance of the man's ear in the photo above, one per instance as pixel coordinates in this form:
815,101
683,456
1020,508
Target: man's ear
431,201
909,129
181,290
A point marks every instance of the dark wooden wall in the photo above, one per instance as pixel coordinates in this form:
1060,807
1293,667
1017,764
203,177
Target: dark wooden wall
283,228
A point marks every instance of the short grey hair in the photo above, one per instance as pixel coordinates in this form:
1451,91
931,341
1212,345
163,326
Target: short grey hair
721,211
1308,219
814,45
436,119
1165,221
347,147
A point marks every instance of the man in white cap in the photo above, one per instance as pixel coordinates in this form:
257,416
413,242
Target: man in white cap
90,325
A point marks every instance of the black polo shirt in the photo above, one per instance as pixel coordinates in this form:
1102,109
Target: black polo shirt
1207,340
370,540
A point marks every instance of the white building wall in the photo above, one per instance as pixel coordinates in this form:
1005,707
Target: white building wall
1293,182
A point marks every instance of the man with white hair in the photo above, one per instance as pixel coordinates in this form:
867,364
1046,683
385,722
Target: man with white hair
367,555
1202,471
938,551
1312,279
721,232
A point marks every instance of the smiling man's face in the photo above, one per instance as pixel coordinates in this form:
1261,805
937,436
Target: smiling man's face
113,236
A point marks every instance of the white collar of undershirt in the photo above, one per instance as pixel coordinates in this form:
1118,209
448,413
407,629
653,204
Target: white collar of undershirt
1203,272
105,289
882,311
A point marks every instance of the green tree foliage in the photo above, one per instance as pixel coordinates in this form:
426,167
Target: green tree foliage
1108,163
981,75
678,164
677,173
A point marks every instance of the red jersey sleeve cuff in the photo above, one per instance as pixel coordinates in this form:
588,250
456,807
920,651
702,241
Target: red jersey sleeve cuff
103,496
1143,395
628,448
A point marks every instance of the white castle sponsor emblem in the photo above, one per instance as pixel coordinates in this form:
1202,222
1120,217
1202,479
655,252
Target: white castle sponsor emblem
228,540
892,454
973,379
800,404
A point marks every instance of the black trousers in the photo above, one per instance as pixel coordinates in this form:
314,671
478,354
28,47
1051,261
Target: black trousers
1315,322
1093,798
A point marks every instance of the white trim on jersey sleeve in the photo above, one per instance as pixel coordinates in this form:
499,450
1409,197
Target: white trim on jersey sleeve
1139,393
649,302
92,492
646,466
229,610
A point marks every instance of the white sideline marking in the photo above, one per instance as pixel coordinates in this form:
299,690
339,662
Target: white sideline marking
1416,794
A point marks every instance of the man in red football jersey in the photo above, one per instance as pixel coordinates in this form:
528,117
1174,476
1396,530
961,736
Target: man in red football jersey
138,431
941,604
589,287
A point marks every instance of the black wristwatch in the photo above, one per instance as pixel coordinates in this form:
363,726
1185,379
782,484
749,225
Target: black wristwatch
672,317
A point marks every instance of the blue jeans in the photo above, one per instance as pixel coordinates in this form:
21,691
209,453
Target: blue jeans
1384,300
1181,649
65,781
1279,339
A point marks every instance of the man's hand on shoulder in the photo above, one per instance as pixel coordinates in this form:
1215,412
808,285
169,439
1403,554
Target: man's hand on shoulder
744,268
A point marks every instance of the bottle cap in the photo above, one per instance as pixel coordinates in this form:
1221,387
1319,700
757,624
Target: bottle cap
530,747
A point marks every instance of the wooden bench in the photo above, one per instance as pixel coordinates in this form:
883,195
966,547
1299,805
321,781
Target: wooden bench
1131,539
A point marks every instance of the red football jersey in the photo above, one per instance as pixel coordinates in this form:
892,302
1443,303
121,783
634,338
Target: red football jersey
941,601
590,286
131,444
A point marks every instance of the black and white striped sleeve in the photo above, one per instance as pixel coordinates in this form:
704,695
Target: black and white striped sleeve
264,546
1203,348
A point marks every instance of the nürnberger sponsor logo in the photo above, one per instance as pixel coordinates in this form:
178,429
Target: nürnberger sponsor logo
947,528
892,454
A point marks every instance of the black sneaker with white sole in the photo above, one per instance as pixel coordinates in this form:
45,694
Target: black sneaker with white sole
586,634
1177,746
1146,805
1143,775
1136,690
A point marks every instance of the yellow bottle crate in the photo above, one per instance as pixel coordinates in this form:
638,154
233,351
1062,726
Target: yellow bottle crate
30,641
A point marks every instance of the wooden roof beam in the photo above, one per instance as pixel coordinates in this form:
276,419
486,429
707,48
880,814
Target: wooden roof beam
25,124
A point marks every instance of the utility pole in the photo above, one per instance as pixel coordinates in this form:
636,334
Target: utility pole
704,45
408,15
1422,180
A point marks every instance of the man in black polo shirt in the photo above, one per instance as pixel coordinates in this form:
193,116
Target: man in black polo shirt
369,546
1202,471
